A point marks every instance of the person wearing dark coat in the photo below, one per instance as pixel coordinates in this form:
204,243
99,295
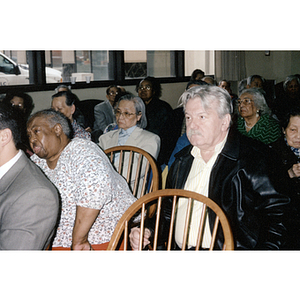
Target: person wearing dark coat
233,170
287,148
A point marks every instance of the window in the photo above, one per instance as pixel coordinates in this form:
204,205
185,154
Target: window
80,64
139,64
11,73
203,60
86,66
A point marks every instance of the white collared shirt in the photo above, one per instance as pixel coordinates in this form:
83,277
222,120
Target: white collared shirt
7,166
197,181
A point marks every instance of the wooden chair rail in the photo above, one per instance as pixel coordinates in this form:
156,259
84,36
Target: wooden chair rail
122,228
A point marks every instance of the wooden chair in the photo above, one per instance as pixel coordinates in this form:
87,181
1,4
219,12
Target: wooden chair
122,229
137,166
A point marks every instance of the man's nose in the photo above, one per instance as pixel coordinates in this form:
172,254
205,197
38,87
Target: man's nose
192,124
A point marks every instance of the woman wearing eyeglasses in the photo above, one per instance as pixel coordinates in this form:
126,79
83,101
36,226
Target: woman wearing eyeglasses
159,115
255,118
131,120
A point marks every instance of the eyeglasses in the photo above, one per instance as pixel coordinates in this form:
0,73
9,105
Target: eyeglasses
125,114
20,105
145,87
246,101
113,93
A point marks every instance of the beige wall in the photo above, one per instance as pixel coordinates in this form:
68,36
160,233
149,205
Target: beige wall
171,93
278,65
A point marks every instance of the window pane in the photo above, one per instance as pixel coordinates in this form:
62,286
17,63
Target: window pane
80,64
139,64
204,60
100,63
13,68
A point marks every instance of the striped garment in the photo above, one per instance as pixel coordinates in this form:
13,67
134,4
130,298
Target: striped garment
266,130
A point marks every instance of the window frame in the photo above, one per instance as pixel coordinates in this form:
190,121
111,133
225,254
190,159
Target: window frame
37,73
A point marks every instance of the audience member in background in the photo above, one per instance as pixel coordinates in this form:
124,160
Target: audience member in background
94,196
104,112
234,171
131,119
255,81
242,85
290,97
24,103
226,85
21,101
80,119
209,80
64,102
29,203
197,75
63,88
287,147
255,118
159,116
114,125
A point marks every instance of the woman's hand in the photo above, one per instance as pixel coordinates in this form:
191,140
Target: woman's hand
84,246
85,217
294,171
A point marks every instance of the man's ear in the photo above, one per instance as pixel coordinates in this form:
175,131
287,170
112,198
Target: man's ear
226,122
5,136
58,129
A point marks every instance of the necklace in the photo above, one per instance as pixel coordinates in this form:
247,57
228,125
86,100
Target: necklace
248,126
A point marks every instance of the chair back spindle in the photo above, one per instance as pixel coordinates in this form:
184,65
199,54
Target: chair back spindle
209,209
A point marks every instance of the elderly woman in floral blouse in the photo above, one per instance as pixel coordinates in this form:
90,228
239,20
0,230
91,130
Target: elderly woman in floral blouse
94,196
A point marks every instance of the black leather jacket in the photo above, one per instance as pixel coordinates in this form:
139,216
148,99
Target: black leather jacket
242,183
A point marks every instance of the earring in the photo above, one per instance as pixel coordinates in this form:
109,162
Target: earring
257,113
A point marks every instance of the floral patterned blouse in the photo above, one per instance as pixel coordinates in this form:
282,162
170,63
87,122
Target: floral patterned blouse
80,132
85,177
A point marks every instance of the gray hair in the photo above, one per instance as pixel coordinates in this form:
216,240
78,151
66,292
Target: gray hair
252,77
242,85
55,117
209,94
139,108
62,86
259,100
289,79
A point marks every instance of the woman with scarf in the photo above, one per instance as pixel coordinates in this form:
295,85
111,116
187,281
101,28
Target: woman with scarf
287,148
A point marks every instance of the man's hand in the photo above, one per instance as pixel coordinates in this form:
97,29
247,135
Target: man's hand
135,237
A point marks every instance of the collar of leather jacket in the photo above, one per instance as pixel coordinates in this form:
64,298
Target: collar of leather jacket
230,149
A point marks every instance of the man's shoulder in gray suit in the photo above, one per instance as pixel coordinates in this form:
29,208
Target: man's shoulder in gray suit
29,207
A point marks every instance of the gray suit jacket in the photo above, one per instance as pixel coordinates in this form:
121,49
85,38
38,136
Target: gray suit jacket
29,207
104,115
140,138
